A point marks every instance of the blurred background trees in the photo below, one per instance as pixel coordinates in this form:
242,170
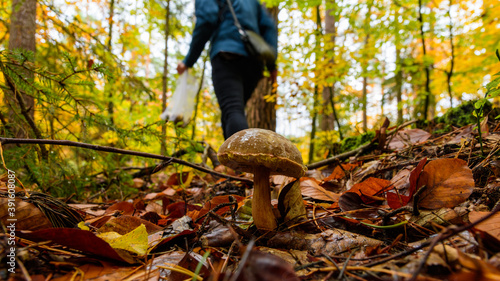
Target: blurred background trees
102,71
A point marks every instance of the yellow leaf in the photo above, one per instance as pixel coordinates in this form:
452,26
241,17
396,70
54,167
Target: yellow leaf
82,226
136,241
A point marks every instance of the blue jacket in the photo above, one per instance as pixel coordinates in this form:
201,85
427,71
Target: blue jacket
222,33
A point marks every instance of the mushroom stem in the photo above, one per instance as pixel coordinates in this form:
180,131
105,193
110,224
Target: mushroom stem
262,210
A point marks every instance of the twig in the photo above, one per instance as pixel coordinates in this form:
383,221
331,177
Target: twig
453,230
121,151
338,157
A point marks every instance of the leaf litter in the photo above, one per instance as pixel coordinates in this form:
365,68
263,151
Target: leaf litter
422,207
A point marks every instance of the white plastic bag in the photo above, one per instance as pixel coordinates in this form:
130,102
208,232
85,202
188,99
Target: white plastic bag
181,104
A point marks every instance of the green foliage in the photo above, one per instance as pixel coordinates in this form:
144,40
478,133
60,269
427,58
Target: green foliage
351,143
492,90
69,107
463,114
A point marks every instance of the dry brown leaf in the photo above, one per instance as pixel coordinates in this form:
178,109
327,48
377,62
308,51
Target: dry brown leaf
405,137
125,224
27,216
290,203
340,171
448,182
370,186
310,187
124,208
491,225
475,269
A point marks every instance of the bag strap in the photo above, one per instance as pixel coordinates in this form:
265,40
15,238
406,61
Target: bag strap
242,32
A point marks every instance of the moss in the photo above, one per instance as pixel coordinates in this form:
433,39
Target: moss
462,115
352,143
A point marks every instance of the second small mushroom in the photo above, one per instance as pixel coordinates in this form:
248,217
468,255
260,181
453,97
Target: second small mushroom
262,152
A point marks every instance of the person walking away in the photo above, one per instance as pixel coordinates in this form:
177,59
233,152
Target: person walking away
235,73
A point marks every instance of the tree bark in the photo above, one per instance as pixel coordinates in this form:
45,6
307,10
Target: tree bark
427,99
449,74
22,36
261,112
109,45
328,119
164,80
399,84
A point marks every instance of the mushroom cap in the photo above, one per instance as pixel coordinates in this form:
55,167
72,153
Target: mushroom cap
258,147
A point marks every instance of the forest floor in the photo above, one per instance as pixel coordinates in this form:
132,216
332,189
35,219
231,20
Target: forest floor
411,205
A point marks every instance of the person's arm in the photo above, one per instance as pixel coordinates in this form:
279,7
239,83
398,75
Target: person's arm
206,12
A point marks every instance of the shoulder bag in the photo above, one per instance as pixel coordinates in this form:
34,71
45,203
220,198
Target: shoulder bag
255,45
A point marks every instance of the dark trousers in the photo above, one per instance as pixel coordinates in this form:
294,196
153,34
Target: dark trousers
235,78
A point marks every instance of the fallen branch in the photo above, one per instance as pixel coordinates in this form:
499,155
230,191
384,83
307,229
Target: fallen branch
356,151
120,151
339,157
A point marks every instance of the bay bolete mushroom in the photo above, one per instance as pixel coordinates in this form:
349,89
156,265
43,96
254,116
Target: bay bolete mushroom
262,152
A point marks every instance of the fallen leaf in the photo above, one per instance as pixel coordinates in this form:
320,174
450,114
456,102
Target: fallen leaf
395,200
125,224
27,216
290,203
350,201
310,187
180,179
136,241
216,201
448,182
124,208
370,186
340,171
406,137
78,239
179,209
191,261
265,267
475,269
491,225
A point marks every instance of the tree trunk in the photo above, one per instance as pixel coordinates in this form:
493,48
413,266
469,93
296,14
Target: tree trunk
22,36
164,80
109,45
261,113
327,122
449,74
366,58
399,84
427,99
312,145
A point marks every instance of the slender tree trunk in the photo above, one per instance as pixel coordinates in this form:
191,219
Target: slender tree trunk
22,36
449,74
399,84
382,89
427,100
327,118
367,57
364,101
313,125
261,112
109,45
316,91
164,80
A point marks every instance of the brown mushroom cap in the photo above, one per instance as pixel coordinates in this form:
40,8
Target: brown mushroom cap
258,147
